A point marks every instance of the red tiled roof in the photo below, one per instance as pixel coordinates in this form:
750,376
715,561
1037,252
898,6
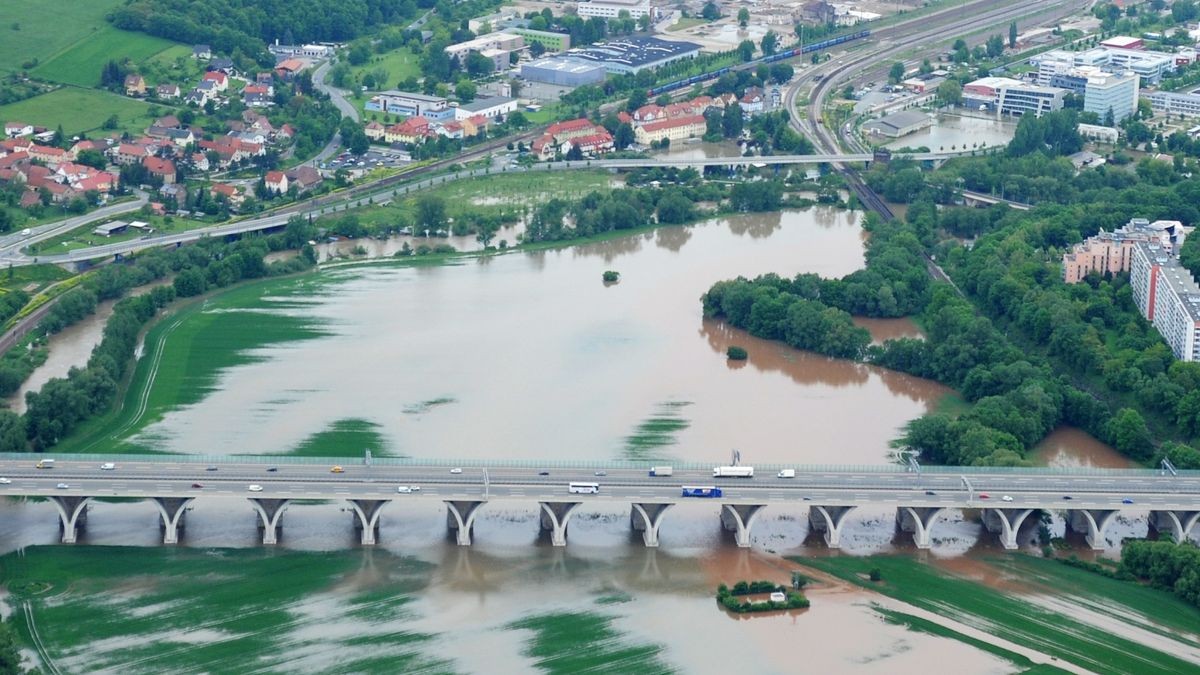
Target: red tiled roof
672,123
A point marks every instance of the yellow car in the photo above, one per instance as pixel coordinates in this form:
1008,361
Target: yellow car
337,469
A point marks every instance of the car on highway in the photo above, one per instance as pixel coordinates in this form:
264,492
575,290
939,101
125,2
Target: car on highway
4,481
601,473
108,466
26,232
983,495
1006,498
456,470
272,469
543,473
1127,500
211,468
1067,497
62,486
336,469
931,493
198,486
255,488
406,489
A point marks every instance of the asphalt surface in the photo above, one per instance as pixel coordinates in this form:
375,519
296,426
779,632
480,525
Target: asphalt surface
165,478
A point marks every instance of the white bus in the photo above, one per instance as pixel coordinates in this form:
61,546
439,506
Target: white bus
583,488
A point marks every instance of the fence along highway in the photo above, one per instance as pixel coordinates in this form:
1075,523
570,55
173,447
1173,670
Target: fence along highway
1005,497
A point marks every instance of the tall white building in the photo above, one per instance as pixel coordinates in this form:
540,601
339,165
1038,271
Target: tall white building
1104,92
1168,297
611,9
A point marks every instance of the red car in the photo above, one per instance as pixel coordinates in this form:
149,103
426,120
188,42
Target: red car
983,495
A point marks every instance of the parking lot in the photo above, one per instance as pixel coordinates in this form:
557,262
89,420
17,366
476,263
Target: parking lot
373,159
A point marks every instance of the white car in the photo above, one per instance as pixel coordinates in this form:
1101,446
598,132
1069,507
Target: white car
4,481
256,488
1006,498
456,470
406,489
108,466
62,486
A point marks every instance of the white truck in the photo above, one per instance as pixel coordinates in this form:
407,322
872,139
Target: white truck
733,472
787,473
661,471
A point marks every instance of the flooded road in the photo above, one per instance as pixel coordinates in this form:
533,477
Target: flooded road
954,132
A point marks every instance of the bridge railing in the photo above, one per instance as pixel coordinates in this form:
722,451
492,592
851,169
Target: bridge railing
376,460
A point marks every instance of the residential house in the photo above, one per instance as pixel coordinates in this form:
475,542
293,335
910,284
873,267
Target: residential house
132,153
289,68
223,64
135,85
374,130
200,161
203,52
161,168
50,155
97,146
197,97
100,181
672,129
277,181
231,193
168,122
304,178
167,91
562,131
257,99
753,101
412,130
594,144
17,129
29,198
544,148
219,79
449,129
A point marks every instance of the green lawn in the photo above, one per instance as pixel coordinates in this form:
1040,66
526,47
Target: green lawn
44,29
1013,615
586,642
79,110
398,63
83,237
81,63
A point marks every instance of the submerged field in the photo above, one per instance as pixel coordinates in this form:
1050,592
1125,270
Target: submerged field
1100,624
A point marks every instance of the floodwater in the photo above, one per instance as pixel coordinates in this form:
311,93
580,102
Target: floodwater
67,349
883,330
574,366
697,149
958,132
1070,447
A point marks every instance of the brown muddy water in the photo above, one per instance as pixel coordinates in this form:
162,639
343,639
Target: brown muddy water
542,360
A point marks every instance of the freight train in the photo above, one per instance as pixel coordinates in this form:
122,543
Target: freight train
787,54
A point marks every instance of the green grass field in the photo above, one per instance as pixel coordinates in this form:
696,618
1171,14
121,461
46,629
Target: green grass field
81,63
157,610
585,642
398,63
45,29
79,110
1015,616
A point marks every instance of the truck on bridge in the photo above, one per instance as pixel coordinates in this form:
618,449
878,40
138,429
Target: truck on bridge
661,471
733,472
710,492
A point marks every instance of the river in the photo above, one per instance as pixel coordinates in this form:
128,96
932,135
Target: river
530,355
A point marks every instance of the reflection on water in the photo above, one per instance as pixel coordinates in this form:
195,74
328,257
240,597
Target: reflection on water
573,365
882,330
955,132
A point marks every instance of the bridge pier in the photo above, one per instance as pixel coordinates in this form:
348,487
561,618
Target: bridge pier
919,521
460,517
1092,523
646,518
1178,524
367,511
72,514
739,518
172,509
829,519
270,513
555,516
1005,522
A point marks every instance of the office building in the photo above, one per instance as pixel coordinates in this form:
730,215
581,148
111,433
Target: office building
611,9
1168,297
634,54
1007,96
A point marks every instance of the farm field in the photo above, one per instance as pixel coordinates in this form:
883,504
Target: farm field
79,110
81,63
41,34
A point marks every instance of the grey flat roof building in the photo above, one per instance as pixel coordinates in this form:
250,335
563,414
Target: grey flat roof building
633,54
564,71
899,124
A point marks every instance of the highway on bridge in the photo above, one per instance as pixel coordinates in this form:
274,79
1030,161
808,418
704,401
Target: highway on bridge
829,492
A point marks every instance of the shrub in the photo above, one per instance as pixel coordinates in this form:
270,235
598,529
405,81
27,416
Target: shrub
876,574
611,276
736,353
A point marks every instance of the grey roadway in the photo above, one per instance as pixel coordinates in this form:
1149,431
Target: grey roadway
1099,489
13,241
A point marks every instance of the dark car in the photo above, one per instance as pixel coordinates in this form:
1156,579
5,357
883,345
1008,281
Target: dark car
1067,497
930,493
197,485
272,469
211,468
543,473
